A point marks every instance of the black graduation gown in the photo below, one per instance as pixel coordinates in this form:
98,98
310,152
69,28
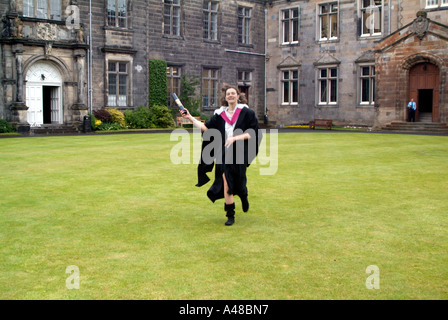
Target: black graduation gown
232,161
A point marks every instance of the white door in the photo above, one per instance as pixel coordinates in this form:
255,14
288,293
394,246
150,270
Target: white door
35,105
40,74
56,105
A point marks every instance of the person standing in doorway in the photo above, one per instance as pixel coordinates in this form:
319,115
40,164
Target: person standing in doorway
412,106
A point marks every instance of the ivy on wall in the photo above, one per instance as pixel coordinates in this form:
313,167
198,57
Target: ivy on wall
157,83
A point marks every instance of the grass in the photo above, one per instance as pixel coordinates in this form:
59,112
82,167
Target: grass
137,228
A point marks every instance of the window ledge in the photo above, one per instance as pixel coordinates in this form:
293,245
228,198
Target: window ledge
122,29
290,104
211,41
332,40
327,106
173,37
290,44
245,45
34,19
371,37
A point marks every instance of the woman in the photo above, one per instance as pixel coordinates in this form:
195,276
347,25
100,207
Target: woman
230,174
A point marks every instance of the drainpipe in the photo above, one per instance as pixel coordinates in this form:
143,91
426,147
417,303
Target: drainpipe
265,72
89,81
390,12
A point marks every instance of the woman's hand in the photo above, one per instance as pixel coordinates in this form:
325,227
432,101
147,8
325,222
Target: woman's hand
229,142
186,114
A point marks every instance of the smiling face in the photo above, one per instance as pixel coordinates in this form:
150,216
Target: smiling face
232,96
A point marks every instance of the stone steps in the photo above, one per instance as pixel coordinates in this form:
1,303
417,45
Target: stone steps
425,117
54,129
420,127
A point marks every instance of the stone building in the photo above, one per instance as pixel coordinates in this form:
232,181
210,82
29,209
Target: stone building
412,63
43,65
354,61
53,74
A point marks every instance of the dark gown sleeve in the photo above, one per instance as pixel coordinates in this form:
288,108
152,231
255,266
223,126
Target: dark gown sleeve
255,134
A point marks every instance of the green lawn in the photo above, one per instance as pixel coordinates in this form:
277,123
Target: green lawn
137,227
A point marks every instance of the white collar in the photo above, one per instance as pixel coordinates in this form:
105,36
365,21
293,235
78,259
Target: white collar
224,108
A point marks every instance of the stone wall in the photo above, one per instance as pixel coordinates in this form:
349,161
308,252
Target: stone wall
144,40
396,55
348,53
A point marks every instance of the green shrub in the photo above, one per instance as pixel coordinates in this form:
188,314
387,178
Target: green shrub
6,127
157,82
92,121
138,119
109,126
161,117
117,116
188,96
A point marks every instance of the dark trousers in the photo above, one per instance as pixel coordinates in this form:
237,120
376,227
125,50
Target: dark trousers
411,115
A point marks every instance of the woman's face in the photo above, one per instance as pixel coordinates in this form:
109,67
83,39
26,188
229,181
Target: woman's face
232,96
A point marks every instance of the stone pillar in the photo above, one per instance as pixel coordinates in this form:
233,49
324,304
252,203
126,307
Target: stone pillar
79,107
18,107
79,56
19,66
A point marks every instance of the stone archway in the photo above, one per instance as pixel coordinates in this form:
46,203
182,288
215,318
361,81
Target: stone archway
424,87
44,94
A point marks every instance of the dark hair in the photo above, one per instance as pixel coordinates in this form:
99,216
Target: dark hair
242,98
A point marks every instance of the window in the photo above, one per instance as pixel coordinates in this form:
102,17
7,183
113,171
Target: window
118,84
328,21
328,85
290,87
173,79
244,76
367,85
371,17
244,25
117,13
290,25
430,4
210,88
43,9
171,17
210,20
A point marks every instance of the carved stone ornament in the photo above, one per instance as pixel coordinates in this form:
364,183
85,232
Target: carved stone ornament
420,26
18,27
48,48
46,31
12,5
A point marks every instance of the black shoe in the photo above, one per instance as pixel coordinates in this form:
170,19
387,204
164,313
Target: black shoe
230,221
245,203
230,209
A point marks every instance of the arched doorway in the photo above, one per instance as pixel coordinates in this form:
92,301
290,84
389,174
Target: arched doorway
424,88
44,94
